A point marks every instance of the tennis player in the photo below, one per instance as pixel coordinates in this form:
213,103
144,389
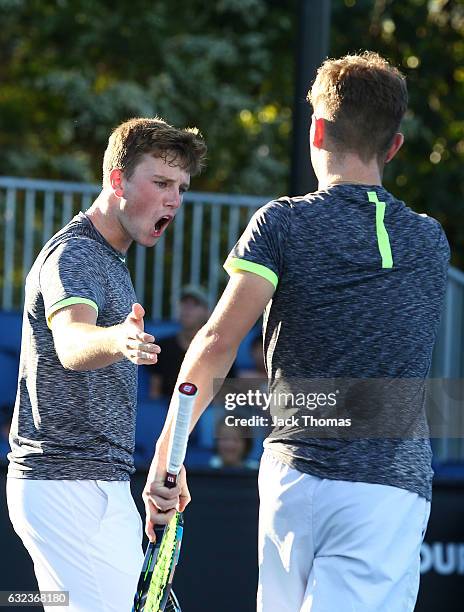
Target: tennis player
72,435
351,282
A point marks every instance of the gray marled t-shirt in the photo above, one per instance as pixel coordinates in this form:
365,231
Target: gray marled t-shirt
360,281
68,424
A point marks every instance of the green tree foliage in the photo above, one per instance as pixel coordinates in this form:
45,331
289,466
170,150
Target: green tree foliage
73,69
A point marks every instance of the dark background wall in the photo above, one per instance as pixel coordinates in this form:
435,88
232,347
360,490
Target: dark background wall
217,569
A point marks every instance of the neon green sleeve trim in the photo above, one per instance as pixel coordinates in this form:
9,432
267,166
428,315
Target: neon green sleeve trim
233,264
69,302
382,235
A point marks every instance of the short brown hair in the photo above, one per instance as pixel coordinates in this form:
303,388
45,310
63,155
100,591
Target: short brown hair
136,137
365,99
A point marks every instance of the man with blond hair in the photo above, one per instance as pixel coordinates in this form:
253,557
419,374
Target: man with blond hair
73,429
352,284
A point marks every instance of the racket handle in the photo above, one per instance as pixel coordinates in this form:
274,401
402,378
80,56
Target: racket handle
186,395
170,481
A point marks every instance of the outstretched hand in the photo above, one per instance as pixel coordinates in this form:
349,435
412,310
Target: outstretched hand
136,345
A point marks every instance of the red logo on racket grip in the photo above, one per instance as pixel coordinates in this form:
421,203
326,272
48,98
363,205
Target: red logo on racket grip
187,388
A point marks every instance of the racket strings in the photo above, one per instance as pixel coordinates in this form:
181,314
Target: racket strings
163,567
172,604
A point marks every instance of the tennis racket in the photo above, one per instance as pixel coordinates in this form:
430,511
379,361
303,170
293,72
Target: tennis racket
154,589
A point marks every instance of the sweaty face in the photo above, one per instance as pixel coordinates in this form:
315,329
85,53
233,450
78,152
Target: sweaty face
151,198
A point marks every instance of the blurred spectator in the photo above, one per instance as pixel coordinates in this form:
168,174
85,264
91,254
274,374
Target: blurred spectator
233,445
259,369
193,314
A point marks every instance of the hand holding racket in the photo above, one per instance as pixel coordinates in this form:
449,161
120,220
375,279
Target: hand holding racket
154,587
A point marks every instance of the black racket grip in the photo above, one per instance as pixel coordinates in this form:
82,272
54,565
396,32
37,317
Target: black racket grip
170,481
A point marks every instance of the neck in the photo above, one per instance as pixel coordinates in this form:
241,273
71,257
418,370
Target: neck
101,214
350,170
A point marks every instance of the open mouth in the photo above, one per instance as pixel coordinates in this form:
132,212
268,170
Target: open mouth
162,224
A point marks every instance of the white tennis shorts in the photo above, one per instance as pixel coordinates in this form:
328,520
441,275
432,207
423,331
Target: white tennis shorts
336,546
84,536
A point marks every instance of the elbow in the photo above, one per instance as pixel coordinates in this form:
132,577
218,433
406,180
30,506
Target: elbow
69,361
70,364
76,367
67,356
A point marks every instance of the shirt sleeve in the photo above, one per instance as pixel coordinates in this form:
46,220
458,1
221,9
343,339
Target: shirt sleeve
73,273
444,248
260,249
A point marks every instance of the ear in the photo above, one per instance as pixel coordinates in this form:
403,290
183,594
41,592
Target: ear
394,147
318,132
116,182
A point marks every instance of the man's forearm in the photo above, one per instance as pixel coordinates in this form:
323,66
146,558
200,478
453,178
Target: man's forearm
207,360
82,345
88,347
